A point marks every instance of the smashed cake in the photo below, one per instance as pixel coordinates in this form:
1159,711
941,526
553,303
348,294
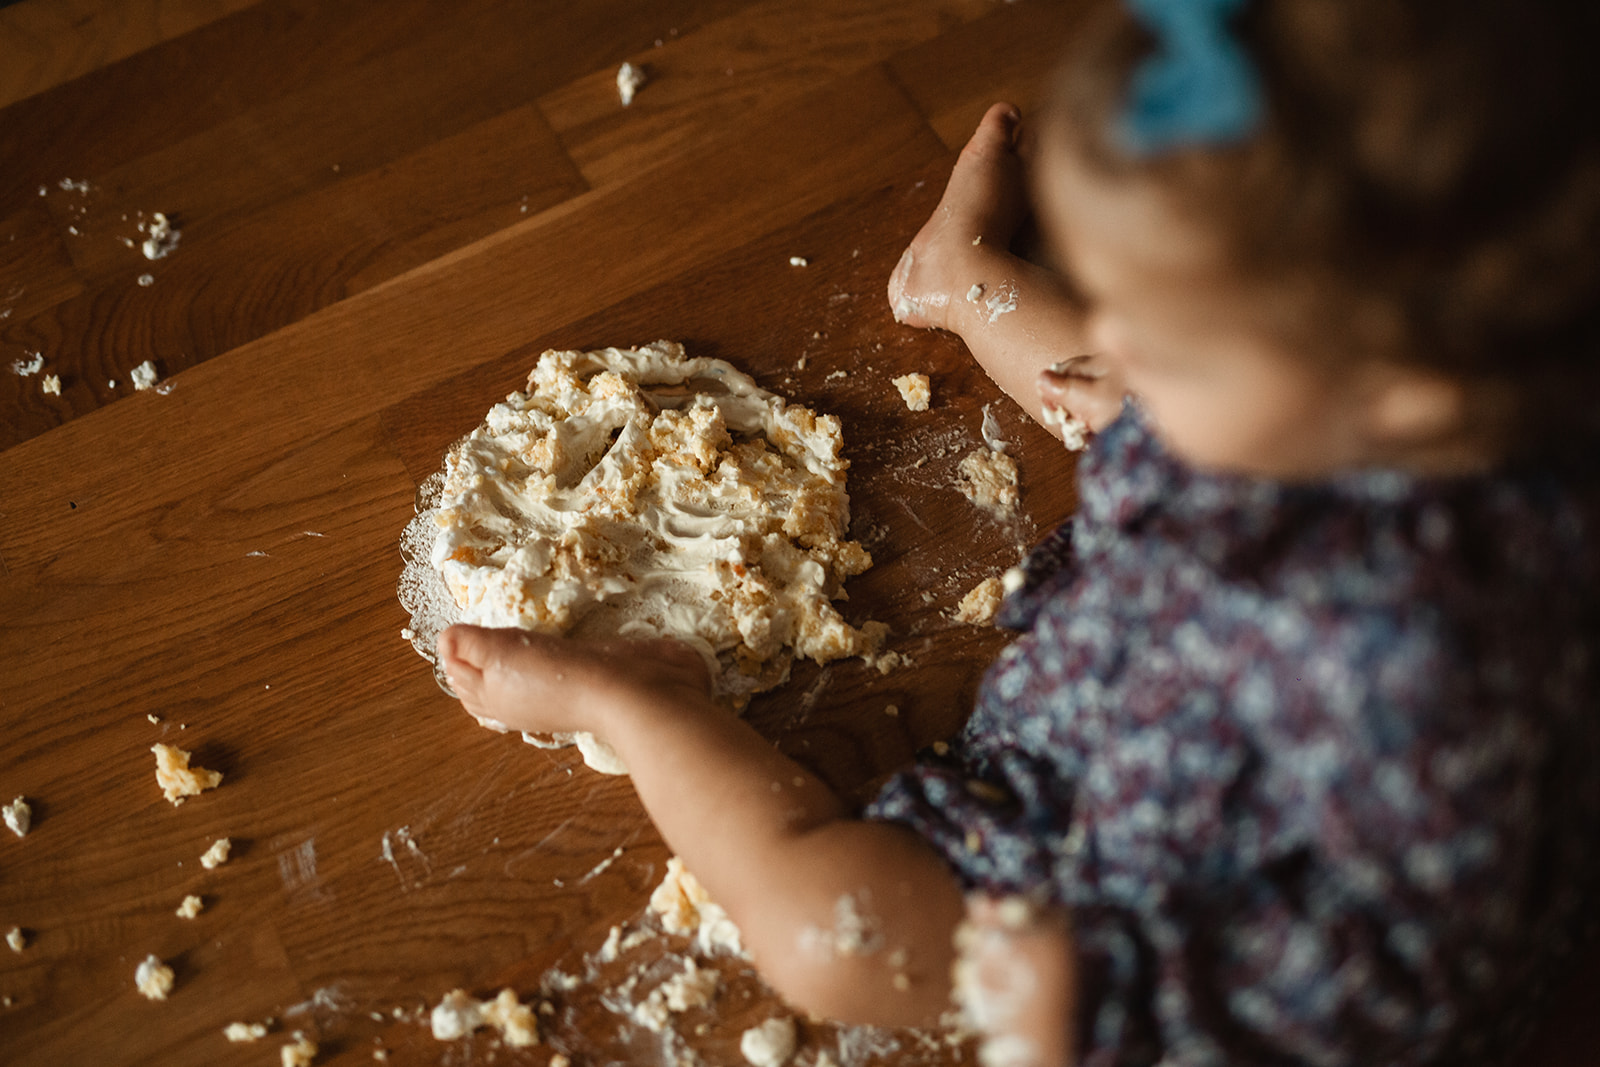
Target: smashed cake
642,493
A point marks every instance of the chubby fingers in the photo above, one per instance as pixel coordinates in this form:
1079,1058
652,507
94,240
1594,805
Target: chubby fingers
512,678
463,651
1084,388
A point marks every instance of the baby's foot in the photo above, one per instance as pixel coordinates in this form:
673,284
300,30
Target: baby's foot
963,244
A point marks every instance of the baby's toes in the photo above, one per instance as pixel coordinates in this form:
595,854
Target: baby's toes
986,196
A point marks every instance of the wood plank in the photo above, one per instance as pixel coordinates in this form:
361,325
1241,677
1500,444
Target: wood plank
458,310
757,59
287,667
278,48
244,61
248,192
49,42
1007,55
353,741
332,644
245,278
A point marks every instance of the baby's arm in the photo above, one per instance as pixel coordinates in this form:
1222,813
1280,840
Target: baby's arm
1017,318
769,840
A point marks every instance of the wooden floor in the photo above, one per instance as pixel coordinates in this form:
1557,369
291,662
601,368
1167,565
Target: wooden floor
387,209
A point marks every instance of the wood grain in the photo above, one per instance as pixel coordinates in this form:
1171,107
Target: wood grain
387,214
48,42
224,556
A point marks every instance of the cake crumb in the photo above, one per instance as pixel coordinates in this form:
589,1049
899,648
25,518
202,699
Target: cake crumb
162,237
1074,431
770,1044
683,906
915,390
247,1033
145,376
301,1053
176,778
191,907
51,386
630,79
512,1018
26,368
153,978
456,1015
18,816
989,480
217,854
799,261
981,604
17,939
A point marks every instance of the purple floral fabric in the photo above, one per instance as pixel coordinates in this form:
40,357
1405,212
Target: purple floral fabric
1315,768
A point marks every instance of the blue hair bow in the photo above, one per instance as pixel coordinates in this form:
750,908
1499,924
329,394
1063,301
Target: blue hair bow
1200,87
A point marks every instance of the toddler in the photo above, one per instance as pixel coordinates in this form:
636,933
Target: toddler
1297,757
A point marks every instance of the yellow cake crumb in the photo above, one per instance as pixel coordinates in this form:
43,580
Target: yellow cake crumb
153,978
300,1053
981,604
989,480
217,854
915,390
176,778
513,1019
190,907
245,1032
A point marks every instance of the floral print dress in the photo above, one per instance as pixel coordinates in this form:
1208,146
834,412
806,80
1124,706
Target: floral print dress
1315,768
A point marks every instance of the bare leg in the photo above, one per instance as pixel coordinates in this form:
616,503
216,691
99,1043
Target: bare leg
958,274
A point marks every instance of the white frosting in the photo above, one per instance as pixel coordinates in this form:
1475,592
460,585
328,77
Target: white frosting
1002,301
153,978
24,368
145,376
1074,431
163,238
639,492
18,816
684,907
457,1015
771,1044
630,79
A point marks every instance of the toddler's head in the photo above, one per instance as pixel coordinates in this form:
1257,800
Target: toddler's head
1326,233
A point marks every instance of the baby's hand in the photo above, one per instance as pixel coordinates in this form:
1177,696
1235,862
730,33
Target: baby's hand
1015,980
543,684
1087,389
